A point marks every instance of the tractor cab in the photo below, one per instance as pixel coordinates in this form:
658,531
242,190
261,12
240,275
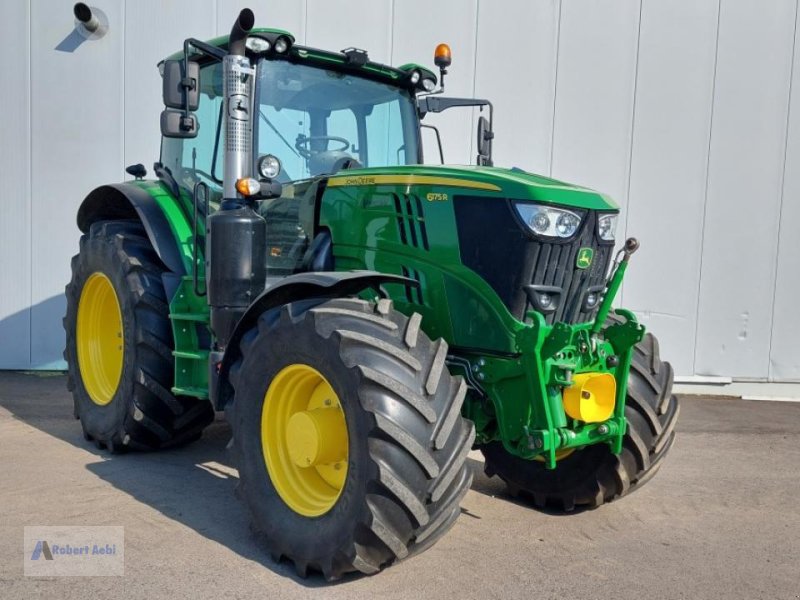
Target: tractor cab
315,120
313,114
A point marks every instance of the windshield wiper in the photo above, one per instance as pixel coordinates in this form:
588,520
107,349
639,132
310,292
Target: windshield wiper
278,133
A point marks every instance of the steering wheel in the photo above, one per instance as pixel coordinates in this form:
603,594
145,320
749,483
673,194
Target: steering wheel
302,144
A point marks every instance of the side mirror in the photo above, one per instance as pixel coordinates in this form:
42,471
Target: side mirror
175,124
177,87
485,136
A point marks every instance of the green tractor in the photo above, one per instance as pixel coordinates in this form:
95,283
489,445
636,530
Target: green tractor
364,320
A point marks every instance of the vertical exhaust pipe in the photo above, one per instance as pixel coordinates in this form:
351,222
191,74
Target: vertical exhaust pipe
236,247
244,23
239,79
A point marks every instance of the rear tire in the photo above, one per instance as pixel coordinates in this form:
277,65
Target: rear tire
141,412
593,476
407,442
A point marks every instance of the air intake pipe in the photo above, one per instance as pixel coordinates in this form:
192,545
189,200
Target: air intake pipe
236,256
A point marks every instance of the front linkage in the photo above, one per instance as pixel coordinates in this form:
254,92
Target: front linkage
574,378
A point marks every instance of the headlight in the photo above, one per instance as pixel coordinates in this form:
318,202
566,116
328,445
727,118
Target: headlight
607,226
269,166
549,221
257,44
429,85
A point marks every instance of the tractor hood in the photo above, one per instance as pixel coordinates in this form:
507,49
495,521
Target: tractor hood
505,183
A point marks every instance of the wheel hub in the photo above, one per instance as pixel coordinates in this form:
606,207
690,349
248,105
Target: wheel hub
304,440
315,437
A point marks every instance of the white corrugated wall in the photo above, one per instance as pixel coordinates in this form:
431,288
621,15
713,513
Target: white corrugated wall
681,109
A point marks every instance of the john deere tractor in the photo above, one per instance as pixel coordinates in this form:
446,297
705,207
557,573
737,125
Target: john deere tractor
363,320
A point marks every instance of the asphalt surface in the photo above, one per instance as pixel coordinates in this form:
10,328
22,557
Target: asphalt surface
720,520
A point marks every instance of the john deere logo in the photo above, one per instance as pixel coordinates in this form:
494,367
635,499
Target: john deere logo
584,260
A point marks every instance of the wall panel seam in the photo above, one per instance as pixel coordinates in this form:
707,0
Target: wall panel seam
705,191
122,81
305,21
631,133
781,197
472,149
31,186
555,88
391,32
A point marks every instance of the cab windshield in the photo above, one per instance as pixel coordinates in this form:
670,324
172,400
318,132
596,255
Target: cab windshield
318,121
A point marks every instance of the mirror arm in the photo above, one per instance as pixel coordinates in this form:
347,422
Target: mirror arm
189,83
437,104
490,138
207,49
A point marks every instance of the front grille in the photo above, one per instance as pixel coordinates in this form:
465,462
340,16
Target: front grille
520,267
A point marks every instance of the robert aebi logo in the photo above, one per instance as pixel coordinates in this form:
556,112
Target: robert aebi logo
67,550
48,551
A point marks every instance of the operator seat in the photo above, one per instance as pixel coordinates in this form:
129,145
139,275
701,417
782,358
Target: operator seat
331,161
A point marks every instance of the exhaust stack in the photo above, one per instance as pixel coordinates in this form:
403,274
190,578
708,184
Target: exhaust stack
239,78
236,251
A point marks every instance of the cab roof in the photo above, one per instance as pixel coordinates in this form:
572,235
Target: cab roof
398,76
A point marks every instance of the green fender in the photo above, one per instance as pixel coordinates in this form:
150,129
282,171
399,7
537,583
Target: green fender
320,285
166,221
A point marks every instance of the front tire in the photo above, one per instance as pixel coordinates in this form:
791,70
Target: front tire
593,476
406,442
119,345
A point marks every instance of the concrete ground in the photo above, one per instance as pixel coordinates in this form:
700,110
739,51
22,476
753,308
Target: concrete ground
721,519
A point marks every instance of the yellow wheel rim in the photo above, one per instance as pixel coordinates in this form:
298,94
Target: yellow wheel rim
304,440
99,338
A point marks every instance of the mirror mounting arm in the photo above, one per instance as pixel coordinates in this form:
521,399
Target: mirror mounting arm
190,83
436,104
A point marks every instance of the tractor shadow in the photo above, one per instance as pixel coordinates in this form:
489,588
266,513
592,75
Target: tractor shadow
194,485
494,487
